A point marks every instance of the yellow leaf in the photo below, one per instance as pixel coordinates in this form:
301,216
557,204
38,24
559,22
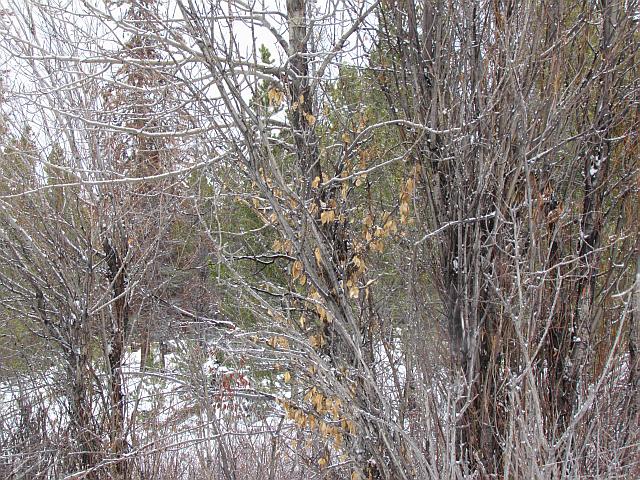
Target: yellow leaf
346,138
275,96
280,342
323,314
355,476
317,400
296,269
316,182
411,184
354,292
390,227
287,377
317,341
303,280
277,245
318,256
327,216
300,419
309,118
404,212
404,208
377,246
368,236
309,394
322,462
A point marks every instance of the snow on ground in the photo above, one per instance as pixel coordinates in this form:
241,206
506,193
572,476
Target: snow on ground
190,402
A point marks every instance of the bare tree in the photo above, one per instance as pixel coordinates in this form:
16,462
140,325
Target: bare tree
416,219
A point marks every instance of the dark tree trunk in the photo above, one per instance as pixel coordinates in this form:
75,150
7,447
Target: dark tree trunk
115,349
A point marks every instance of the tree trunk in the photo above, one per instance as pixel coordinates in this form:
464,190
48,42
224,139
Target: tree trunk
115,350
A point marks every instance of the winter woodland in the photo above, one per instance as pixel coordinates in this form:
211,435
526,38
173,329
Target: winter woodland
331,239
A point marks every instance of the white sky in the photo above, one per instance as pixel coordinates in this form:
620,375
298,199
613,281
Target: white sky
87,29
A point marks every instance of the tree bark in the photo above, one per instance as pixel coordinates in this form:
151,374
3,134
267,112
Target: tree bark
119,324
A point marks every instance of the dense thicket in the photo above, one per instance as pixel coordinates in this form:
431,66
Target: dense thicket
385,240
